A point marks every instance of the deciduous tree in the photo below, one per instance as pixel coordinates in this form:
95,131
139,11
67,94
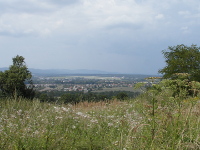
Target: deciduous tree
17,81
182,59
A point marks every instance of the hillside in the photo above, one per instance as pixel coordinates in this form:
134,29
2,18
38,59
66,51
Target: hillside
134,124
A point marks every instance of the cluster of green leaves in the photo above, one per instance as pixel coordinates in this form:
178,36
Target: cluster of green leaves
182,59
182,71
177,88
17,81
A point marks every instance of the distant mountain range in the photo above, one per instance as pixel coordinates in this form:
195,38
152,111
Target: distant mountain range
63,71
67,71
60,72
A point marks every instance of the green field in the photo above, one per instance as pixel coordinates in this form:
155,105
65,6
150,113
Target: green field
131,89
87,77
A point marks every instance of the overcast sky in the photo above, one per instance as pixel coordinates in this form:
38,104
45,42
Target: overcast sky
125,36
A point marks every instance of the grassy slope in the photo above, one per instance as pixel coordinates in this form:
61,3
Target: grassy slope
138,124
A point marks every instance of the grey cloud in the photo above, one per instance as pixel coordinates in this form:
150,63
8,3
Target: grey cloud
96,34
23,6
17,34
35,6
125,25
63,2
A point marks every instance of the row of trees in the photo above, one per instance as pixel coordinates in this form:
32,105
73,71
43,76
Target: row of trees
75,97
182,63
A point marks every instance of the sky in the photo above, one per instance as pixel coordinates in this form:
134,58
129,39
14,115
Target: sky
124,36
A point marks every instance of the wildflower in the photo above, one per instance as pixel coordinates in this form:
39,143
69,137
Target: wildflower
65,109
13,116
111,116
79,113
36,132
57,109
82,114
19,112
58,117
10,125
75,118
116,143
94,121
88,125
110,124
1,128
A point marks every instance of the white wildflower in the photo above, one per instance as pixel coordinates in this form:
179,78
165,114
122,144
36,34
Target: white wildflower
79,113
82,114
57,117
116,143
1,128
75,118
13,116
65,109
94,121
57,109
110,124
36,132
111,116
19,112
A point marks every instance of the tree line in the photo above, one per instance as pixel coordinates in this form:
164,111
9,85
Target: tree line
76,97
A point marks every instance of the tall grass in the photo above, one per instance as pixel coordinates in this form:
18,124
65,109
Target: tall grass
173,122
34,125
148,122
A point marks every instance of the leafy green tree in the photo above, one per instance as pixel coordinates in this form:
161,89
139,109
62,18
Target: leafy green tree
182,59
122,96
69,98
17,81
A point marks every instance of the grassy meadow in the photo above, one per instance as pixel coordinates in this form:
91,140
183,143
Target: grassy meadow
147,122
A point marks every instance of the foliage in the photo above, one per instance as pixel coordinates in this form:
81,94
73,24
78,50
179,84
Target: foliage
122,96
76,97
177,88
180,88
194,87
182,59
17,81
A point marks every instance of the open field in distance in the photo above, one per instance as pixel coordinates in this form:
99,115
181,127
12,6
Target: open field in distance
131,89
88,77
